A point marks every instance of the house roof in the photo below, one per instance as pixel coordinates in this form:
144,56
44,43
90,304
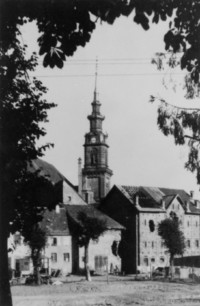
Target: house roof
168,199
151,197
146,200
48,170
74,210
56,223
182,193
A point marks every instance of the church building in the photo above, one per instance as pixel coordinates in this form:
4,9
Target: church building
94,178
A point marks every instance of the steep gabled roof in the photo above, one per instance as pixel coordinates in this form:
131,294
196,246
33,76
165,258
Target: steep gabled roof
146,200
74,210
49,171
154,193
168,200
150,198
182,193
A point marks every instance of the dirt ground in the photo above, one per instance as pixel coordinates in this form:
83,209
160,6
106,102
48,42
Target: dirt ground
118,291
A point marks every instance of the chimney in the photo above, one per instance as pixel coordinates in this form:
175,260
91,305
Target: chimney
163,204
57,209
192,194
197,204
187,206
137,200
79,176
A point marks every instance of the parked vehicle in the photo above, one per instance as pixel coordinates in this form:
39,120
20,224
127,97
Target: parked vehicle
161,272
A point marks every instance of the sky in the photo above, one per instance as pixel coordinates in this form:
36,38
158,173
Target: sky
139,154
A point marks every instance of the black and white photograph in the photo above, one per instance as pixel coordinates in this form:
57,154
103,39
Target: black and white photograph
100,152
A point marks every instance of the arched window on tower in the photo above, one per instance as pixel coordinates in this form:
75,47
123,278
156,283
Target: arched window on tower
93,156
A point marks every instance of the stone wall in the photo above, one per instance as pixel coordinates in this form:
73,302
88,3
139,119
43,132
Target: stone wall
151,250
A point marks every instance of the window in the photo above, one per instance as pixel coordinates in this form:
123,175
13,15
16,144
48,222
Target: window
152,244
145,222
151,226
188,243
145,244
66,257
188,223
54,257
94,156
146,261
54,241
162,260
196,223
86,198
197,243
153,260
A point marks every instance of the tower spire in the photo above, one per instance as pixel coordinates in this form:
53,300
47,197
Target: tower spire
96,74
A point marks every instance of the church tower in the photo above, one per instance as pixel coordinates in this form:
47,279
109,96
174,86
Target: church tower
95,173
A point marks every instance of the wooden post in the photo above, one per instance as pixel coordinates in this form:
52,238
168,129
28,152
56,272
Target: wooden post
107,270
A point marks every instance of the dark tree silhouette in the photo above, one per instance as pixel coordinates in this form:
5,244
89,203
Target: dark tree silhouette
65,25
173,238
22,110
36,240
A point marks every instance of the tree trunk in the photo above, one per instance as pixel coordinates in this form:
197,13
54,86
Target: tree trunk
5,293
172,266
87,268
36,267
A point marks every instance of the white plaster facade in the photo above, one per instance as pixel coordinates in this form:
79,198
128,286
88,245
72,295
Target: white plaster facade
101,257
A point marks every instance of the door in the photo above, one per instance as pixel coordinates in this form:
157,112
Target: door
100,263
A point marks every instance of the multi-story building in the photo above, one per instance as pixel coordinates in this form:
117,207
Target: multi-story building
140,210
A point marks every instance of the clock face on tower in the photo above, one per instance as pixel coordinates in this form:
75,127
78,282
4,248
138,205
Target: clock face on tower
93,140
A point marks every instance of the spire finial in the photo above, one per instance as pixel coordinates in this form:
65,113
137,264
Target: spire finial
96,74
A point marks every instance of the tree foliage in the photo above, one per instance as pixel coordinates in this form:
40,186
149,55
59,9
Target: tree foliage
183,124
66,25
89,228
23,109
22,112
172,236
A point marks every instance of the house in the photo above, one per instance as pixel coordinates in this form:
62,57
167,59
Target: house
101,256
62,252
139,210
